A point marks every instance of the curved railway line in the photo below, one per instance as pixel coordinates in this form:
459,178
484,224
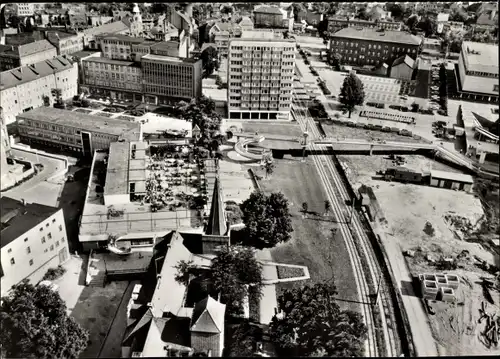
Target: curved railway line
366,268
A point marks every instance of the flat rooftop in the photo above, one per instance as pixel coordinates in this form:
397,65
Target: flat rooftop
459,177
17,218
168,59
105,60
125,129
398,37
122,169
480,57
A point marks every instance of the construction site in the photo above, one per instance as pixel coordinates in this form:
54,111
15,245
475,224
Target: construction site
449,239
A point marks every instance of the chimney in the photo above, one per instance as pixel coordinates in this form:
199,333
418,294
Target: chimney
24,202
492,14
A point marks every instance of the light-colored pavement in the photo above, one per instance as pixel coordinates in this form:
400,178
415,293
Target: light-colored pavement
423,340
268,300
72,283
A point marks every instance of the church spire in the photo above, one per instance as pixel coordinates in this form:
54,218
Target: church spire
217,219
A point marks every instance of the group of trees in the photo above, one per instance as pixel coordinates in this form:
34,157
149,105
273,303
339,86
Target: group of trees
209,61
201,112
267,219
312,324
35,324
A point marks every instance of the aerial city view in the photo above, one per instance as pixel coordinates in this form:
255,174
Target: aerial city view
249,179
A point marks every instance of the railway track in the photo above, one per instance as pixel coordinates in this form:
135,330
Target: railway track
382,337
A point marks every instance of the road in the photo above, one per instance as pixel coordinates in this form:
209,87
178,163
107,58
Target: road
365,266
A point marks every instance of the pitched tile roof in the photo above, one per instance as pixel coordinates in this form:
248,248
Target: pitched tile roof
399,37
17,218
217,219
404,59
28,73
208,316
268,10
139,327
34,47
169,295
112,27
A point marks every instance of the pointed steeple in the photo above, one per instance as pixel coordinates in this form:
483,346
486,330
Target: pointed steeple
217,219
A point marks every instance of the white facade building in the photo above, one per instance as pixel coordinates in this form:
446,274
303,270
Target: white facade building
260,76
26,87
478,68
33,240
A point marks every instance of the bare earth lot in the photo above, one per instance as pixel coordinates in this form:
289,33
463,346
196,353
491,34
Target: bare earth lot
311,244
407,208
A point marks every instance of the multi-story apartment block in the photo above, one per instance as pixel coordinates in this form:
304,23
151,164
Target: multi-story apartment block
31,86
74,131
260,76
167,80
66,43
112,78
24,9
370,47
27,54
4,152
33,240
478,71
337,23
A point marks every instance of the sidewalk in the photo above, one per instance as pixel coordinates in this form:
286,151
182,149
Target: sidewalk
423,340
268,300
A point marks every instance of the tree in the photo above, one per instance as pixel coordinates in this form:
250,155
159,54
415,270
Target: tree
362,14
160,8
311,324
335,61
305,207
328,207
201,112
320,7
183,272
323,28
396,10
428,25
227,9
267,219
412,22
352,93
233,270
245,336
298,7
35,325
268,165
209,60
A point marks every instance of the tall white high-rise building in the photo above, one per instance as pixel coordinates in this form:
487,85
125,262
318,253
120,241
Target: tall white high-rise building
260,76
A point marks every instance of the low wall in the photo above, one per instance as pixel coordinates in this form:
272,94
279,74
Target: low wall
41,153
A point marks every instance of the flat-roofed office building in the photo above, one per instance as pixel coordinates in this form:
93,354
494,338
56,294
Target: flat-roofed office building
168,80
74,131
478,71
260,76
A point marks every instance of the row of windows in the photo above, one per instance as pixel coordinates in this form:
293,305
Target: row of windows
482,74
121,68
262,48
28,250
370,46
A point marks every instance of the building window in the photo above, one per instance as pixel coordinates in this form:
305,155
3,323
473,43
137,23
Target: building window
31,262
60,227
46,250
57,244
49,236
9,250
43,240
26,239
12,261
53,220
495,88
52,247
62,239
41,229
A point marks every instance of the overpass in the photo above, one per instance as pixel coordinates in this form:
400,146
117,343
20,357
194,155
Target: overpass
450,155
